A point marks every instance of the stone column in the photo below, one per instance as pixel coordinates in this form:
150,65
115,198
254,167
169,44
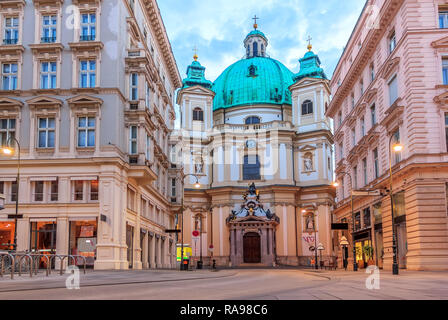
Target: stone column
152,254
144,252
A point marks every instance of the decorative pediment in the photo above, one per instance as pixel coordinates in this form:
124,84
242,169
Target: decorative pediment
8,102
370,95
44,3
82,99
390,68
309,81
441,43
393,115
44,48
44,101
442,98
307,148
16,4
195,90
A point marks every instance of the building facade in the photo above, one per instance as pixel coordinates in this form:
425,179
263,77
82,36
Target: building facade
87,89
259,123
390,88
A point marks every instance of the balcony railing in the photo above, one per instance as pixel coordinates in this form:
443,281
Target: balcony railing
10,41
87,38
282,125
48,39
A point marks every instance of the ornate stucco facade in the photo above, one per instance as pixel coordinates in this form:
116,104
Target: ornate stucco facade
257,122
389,87
88,91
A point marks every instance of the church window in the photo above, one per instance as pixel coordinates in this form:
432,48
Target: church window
198,114
307,107
252,120
255,46
251,168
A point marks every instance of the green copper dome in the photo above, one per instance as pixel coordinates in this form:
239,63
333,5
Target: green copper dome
257,80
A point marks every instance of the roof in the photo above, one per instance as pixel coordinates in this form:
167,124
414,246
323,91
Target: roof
257,80
310,67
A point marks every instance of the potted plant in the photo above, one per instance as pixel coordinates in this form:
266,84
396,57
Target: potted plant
368,252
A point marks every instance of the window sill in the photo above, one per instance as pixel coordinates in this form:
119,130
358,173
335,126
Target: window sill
45,150
85,149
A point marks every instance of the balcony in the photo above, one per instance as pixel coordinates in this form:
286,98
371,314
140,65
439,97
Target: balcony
10,41
48,39
273,125
87,38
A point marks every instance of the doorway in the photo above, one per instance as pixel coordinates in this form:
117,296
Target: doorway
252,248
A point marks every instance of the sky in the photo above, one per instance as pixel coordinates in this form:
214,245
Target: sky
218,28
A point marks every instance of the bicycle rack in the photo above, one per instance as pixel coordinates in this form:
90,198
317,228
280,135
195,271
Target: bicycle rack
13,262
68,261
30,259
37,261
85,261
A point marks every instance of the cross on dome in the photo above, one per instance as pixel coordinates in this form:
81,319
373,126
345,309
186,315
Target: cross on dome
255,18
310,46
195,50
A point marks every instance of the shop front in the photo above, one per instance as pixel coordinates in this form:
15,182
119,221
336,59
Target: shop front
400,229
363,245
43,237
83,240
6,235
378,235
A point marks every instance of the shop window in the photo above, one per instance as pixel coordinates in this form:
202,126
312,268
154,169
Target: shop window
43,237
83,239
6,235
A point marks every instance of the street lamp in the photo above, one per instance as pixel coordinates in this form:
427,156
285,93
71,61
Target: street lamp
197,185
344,244
336,184
320,247
396,148
10,151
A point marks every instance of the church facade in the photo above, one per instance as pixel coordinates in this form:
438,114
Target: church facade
260,145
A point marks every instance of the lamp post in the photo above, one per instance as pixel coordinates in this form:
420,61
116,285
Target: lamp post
355,264
197,185
9,151
344,243
396,148
320,247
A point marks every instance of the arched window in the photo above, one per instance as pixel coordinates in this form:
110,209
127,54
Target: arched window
252,120
262,49
251,168
255,49
198,114
307,107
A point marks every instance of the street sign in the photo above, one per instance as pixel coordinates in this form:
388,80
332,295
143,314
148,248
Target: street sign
172,231
211,248
366,193
13,216
339,226
195,233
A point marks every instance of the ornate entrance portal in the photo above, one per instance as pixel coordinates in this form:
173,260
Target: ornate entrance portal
252,232
252,248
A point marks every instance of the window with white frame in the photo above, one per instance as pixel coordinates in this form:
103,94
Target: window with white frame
49,29
87,77
48,75
392,42
46,133
148,147
38,191
393,90
445,70
88,27
133,87
133,140
78,190
443,19
86,132
93,190
85,190
375,163
54,190
11,30
7,131
9,76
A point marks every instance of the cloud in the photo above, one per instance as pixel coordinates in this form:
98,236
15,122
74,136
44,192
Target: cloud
217,28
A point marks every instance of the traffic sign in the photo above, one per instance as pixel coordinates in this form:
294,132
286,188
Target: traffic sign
211,248
311,248
195,233
366,193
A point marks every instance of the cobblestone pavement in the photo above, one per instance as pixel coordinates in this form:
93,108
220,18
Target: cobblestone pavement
239,284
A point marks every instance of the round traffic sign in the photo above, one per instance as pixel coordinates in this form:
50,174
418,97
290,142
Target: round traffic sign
195,233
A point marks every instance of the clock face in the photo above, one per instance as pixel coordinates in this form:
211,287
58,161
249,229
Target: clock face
251,144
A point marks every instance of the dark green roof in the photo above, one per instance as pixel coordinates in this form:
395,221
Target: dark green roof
258,80
310,67
196,76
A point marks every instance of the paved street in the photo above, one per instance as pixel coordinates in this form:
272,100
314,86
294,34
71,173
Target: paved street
242,284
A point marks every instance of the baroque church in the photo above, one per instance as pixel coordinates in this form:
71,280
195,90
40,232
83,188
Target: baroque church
259,144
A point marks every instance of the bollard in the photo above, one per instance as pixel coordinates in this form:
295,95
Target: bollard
214,264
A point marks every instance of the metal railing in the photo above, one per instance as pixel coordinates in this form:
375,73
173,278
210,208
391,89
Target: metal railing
30,262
